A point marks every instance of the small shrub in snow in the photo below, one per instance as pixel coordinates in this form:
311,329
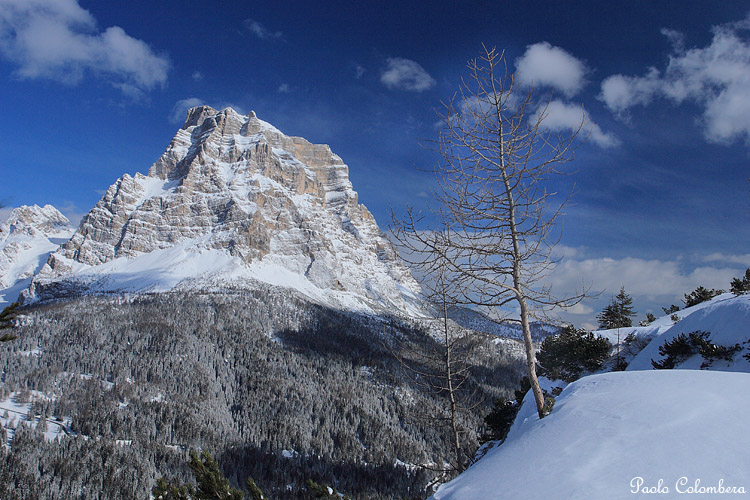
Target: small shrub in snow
671,309
684,346
650,318
549,403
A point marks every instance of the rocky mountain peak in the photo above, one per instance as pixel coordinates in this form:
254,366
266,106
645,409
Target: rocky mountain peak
261,204
33,220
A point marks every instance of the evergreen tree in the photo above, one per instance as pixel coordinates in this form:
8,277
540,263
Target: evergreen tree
699,295
619,313
500,419
741,285
6,321
255,492
566,355
211,483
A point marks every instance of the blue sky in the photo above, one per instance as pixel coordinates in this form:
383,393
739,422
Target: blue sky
90,90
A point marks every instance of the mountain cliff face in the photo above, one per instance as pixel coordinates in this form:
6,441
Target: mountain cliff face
26,239
233,199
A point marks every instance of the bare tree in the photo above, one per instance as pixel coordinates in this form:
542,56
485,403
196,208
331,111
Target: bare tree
497,221
443,367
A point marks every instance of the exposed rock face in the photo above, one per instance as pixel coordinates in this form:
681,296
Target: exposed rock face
237,185
29,234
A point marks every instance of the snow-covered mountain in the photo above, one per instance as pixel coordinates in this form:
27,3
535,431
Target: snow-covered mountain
233,200
642,431
27,237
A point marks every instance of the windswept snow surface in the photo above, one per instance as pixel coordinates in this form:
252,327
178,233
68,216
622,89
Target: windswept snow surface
610,429
639,433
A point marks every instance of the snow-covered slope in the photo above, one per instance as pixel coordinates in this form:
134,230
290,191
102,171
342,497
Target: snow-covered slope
608,430
638,432
726,318
27,237
232,200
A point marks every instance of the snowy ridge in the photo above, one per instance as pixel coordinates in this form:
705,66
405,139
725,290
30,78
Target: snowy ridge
640,432
27,238
608,430
725,317
233,200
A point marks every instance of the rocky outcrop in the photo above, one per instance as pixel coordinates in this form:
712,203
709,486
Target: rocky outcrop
237,185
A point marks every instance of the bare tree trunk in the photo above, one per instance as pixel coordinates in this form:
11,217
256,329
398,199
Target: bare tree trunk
451,391
531,358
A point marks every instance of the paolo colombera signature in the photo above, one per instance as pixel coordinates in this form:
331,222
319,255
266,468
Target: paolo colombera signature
683,485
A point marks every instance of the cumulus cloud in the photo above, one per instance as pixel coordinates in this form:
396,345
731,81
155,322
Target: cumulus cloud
406,74
560,116
716,77
261,31
197,76
545,65
59,40
649,278
653,283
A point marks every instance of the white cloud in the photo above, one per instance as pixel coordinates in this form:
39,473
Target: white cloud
621,92
359,71
406,74
261,31
545,65
652,283
561,116
716,77
197,76
59,40
284,88
649,278
743,259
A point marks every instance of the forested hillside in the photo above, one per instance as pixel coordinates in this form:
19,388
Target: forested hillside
274,387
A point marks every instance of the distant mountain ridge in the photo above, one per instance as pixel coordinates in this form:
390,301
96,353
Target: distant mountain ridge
27,237
233,200
477,321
